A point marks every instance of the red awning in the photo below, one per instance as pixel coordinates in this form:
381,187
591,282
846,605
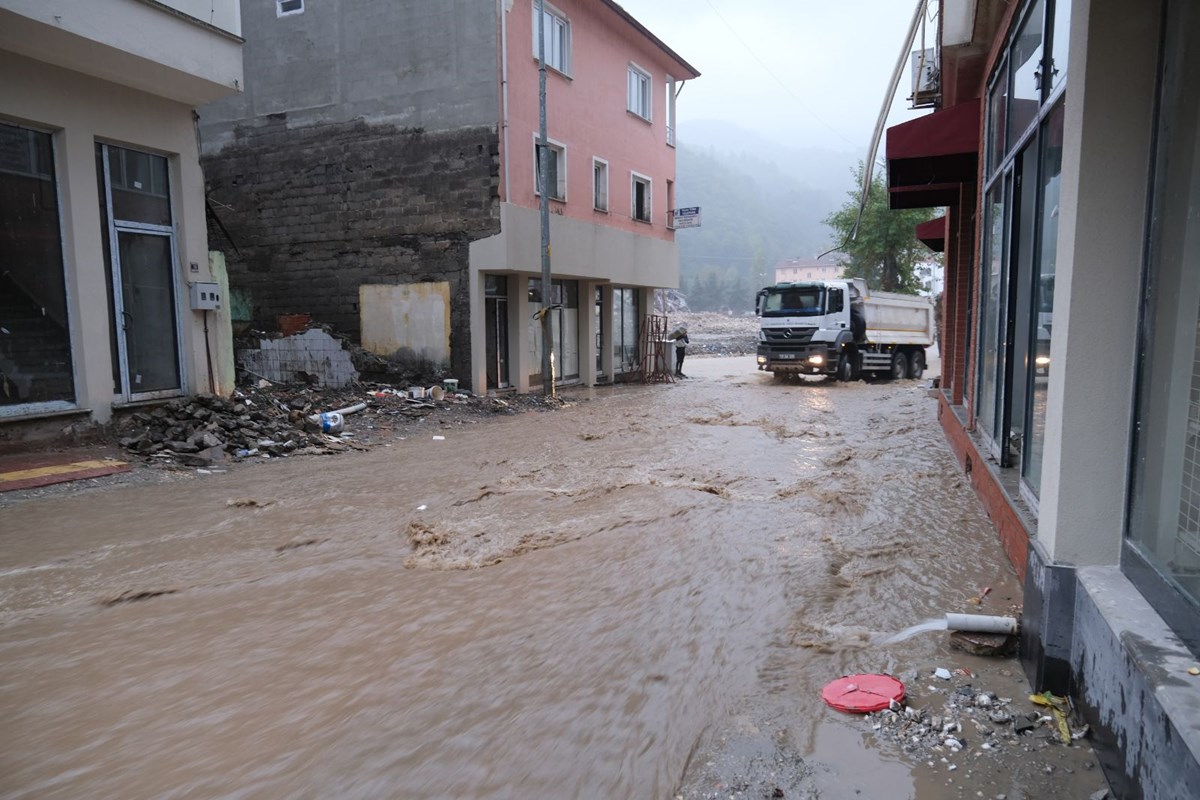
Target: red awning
933,234
929,156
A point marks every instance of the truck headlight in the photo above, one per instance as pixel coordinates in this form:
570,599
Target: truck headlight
816,359
762,359
1042,361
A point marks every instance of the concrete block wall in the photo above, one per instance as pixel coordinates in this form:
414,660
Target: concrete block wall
306,215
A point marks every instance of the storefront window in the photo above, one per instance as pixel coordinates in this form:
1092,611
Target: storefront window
1026,73
564,328
1164,522
997,120
989,342
1043,317
625,328
1057,62
1020,239
35,340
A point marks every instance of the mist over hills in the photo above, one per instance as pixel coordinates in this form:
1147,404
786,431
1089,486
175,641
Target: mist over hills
761,201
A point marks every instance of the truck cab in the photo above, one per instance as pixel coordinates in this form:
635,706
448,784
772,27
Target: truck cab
806,325
840,328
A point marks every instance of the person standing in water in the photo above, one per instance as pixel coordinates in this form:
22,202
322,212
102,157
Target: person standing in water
681,343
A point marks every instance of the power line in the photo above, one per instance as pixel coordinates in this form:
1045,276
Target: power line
778,80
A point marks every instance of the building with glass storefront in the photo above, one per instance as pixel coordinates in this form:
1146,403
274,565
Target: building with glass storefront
1066,151
102,221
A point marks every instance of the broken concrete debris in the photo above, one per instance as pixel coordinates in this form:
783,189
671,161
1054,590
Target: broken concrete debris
969,721
271,421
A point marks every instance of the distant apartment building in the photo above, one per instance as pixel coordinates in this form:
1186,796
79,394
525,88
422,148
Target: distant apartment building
102,215
808,269
380,174
1066,153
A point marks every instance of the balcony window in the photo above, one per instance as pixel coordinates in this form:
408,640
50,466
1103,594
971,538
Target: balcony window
557,36
599,184
640,199
556,174
638,100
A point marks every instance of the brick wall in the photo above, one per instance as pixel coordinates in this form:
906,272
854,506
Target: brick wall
306,215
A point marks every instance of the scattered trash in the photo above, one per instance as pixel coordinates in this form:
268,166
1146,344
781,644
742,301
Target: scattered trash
439,438
978,599
942,672
863,693
1194,671
1058,707
422,507
331,422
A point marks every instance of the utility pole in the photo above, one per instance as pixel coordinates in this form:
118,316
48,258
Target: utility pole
544,207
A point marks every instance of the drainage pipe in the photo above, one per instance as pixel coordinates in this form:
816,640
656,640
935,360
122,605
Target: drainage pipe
348,410
981,623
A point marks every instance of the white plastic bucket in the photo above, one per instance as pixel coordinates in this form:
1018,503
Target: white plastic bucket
416,392
450,385
436,393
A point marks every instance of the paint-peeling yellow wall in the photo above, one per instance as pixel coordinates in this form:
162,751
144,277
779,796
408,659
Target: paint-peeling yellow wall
406,321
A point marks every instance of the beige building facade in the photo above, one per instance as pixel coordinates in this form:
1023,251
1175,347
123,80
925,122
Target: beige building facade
102,207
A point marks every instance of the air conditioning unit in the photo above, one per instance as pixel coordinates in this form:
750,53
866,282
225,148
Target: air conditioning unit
926,78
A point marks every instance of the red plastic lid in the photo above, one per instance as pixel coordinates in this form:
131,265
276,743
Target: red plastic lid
863,693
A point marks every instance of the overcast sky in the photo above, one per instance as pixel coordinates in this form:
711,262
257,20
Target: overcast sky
804,72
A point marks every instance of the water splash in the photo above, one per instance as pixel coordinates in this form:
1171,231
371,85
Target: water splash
937,624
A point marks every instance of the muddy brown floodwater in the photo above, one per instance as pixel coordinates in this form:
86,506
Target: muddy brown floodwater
637,596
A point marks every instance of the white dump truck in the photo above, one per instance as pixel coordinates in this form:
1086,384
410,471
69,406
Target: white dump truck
843,329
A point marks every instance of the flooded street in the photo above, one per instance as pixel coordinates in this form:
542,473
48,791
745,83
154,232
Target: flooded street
633,597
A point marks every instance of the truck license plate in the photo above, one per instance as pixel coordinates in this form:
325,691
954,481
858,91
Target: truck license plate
787,355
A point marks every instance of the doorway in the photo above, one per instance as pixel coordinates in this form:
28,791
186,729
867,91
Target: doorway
495,304
135,207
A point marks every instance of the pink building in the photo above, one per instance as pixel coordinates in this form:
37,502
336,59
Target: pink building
378,173
611,88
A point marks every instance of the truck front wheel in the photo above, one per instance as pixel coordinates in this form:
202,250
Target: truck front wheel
899,366
845,368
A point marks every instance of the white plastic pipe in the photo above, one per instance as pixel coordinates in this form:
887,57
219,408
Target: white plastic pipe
981,623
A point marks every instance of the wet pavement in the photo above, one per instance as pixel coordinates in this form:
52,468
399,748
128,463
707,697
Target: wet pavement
639,595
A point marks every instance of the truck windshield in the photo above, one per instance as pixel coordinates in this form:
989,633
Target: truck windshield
794,302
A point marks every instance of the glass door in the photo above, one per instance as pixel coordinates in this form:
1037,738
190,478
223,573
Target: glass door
496,332
148,311
142,273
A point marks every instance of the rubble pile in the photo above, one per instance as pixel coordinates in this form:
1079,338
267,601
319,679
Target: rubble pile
197,431
272,420
969,722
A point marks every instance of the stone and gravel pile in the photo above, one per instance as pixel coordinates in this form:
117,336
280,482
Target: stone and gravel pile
960,724
197,431
273,420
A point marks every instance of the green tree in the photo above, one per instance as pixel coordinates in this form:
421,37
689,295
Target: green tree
885,251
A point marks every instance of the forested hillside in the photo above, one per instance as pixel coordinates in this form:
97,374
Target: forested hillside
760,203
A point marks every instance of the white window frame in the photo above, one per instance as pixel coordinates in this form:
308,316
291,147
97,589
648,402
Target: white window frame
559,17
598,206
281,12
560,151
634,179
640,94
671,90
